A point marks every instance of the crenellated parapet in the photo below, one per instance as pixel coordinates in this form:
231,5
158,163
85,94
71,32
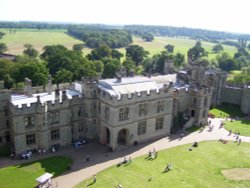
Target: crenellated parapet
121,99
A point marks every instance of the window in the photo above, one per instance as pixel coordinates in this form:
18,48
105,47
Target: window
142,126
30,139
160,106
29,122
55,134
0,139
204,113
143,109
82,127
195,100
99,107
80,111
205,102
159,123
123,113
55,117
107,113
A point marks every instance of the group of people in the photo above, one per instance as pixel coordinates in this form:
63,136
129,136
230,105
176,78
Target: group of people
152,154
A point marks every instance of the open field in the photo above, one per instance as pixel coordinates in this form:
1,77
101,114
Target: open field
38,38
201,167
41,38
24,175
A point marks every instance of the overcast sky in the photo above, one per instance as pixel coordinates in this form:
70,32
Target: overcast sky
222,15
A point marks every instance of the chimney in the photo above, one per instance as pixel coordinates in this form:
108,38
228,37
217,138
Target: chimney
119,79
28,87
49,86
57,94
64,96
38,99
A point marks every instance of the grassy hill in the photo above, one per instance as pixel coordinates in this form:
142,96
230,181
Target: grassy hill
38,38
41,38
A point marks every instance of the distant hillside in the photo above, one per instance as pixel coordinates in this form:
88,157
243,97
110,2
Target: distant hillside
135,29
183,31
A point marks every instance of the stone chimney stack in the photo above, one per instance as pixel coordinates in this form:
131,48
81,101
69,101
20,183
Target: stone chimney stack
28,87
119,79
49,86
64,96
57,94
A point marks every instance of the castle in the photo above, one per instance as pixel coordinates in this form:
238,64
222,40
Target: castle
116,112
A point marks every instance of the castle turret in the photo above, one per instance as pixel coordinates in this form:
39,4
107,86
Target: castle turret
28,87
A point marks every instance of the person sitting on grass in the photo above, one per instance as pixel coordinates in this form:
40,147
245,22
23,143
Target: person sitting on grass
168,167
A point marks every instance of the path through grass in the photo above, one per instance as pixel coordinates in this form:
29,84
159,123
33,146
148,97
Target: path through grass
200,167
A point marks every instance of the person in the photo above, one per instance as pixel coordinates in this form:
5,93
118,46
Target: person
230,132
125,160
87,158
195,144
119,186
129,159
94,178
239,141
168,167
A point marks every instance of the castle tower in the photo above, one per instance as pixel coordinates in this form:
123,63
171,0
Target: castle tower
28,87
168,66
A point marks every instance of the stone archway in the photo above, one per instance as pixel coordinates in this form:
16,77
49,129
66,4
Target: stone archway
123,136
107,132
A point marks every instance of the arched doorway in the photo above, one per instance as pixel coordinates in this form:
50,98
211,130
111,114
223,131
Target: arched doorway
107,135
123,137
192,113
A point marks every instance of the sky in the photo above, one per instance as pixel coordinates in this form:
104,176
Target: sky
220,15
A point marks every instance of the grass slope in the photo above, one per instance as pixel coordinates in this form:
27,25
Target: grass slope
24,175
242,126
226,110
38,38
200,167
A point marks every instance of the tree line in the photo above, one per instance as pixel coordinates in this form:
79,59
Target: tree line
93,37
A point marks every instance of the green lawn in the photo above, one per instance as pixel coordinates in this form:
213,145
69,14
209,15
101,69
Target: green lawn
200,167
38,38
242,126
24,175
226,110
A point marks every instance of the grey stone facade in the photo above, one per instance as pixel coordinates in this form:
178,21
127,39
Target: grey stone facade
116,113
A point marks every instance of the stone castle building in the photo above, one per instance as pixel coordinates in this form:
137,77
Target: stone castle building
116,112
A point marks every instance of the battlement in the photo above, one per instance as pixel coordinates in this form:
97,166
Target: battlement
136,96
89,81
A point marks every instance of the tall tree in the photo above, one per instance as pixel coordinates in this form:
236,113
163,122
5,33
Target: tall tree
196,52
3,48
30,51
169,48
217,48
1,35
136,53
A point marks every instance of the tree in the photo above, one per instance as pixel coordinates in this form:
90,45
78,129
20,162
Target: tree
148,37
30,51
136,53
100,52
63,76
169,48
129,65
217,48
110,67
1,35
196,52
3,48
37,72
179,60
226,63
78,47
116,54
